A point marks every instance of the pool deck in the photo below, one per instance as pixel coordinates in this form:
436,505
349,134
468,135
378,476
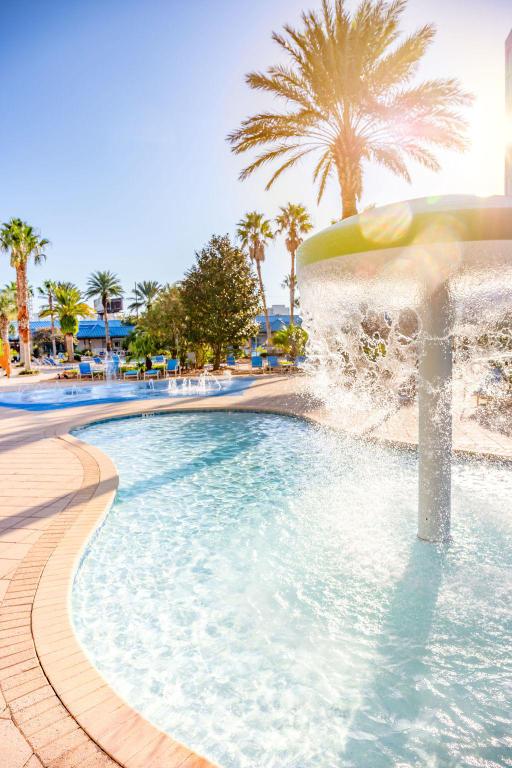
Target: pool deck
55,709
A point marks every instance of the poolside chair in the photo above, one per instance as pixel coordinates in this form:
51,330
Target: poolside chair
154,373
158,360
256,362
85,370
230,361
132,373
173,366
97,360
273,363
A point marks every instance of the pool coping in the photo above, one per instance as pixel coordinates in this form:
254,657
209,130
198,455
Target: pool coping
42,585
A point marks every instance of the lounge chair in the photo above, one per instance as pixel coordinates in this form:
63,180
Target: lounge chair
230,361
86,370
131,373
173,366
154,373
97,360
158,360
257,362
273,363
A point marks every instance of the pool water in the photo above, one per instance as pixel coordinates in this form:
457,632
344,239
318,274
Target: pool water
41,398
258,592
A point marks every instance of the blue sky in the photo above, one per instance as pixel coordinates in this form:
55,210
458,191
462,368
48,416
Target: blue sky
115,112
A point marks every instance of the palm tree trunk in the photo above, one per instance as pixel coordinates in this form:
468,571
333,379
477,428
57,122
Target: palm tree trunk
52,328
292,285
346,178
23,317
263,301
69,347
104,301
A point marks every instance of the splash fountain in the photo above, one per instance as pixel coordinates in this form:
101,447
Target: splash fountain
389,297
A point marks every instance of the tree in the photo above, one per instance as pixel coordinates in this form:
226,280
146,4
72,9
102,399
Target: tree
144,295
8,313
220,297
165,321
292,340
293,221
348,96
24,243
255,232
70,306
47,291
104,285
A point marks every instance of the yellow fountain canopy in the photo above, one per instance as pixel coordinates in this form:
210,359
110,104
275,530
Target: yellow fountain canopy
421,222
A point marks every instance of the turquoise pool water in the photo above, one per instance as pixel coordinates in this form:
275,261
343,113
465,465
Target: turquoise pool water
258,591
69,395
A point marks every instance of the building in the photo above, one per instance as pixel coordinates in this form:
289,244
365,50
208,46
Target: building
91,333
508,106
278,322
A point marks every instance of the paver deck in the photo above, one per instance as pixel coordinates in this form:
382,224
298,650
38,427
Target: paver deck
55,709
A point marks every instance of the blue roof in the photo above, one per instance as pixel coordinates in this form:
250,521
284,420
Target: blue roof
277,322
87,329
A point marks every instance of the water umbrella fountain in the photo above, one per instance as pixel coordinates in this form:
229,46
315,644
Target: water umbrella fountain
388,295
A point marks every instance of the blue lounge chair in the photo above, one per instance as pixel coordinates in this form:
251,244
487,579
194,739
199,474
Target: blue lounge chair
257,362
158,360
230,361
132,373
272,362
173,366
153,373
85,370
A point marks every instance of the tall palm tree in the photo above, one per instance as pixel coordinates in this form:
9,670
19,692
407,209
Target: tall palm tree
347,94
8,311
24,243
255,232
69,306
293,221
104,285
47,291
144,295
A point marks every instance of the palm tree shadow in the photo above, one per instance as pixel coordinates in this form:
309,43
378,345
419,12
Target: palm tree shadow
379,732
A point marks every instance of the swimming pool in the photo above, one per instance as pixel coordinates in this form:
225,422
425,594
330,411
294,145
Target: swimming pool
42,398
257,591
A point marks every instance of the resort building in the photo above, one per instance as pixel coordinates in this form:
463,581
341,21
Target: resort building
508,106
278,322
91,334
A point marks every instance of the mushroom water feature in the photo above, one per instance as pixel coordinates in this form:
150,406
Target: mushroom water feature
411,301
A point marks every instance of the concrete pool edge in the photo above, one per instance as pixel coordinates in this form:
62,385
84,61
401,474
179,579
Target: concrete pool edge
41,587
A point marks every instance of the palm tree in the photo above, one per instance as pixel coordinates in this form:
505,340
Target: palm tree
24,243
47,291
254,232
8,311
69,306
293,221
347,95
144,295
105,286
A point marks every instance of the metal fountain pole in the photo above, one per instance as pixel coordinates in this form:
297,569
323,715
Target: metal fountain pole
435,416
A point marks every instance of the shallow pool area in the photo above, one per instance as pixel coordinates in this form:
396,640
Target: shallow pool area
72,394
257,591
